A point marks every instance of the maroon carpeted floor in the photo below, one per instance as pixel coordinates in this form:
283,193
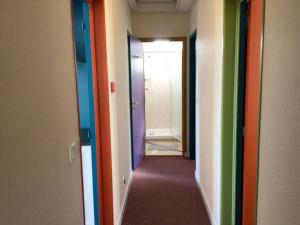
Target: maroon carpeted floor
164,192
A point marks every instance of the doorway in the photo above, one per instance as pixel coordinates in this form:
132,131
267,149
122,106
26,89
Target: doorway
192,97
86,100
242,57
163,97
243,40
157,66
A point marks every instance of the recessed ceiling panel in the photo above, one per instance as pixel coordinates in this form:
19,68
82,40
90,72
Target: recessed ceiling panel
156,1
161,5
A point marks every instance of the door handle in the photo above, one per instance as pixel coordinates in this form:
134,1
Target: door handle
134,103
137,56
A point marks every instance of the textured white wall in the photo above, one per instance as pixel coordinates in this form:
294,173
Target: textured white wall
38,115
163,106
118,23
176,94
279,164
158,95
207,18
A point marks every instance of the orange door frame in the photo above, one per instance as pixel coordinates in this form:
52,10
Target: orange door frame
102,113
252,110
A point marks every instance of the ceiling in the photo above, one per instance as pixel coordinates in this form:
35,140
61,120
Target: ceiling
161,5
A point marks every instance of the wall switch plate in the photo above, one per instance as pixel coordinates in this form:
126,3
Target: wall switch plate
72,152
112,87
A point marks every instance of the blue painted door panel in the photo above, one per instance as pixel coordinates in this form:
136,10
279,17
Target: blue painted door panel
86,90
137,100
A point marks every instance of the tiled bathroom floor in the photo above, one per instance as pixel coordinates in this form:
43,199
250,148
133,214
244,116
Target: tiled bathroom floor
163,147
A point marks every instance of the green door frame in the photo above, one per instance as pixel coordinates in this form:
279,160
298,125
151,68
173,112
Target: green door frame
229,110
229,93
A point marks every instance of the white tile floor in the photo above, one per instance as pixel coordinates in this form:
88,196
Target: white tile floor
164,148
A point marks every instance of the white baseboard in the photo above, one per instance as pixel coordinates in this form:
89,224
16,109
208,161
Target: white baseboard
212,221
125,200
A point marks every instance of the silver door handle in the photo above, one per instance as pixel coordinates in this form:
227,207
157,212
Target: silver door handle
134,103
137,56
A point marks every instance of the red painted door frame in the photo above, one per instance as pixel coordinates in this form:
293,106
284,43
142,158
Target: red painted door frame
102,113
252,111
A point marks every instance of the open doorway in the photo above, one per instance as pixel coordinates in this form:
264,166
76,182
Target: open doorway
240,126
157,100
242,59
163,97
192,96
85,92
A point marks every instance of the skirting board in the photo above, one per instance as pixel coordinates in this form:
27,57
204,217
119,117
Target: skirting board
125,201
212,221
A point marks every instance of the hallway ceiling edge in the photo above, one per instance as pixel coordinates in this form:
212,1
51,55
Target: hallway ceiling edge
160,5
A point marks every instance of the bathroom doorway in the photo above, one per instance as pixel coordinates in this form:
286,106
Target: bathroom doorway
163,70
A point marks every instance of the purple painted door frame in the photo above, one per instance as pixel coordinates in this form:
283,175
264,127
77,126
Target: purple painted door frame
137,101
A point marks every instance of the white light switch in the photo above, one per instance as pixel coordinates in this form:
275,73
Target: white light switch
72,152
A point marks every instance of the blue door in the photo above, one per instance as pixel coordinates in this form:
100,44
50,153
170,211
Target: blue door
137,100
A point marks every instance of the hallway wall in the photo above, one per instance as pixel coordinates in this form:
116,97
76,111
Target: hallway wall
118,23
160,24
279,180
38,115
207,18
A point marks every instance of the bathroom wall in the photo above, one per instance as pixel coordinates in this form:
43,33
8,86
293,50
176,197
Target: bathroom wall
158,91
176,94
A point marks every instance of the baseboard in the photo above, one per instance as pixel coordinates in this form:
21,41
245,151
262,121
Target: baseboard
126,196
212,221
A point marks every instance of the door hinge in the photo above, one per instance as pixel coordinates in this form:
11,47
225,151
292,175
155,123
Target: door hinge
83,25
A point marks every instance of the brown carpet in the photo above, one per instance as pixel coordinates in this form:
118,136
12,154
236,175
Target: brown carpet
164,192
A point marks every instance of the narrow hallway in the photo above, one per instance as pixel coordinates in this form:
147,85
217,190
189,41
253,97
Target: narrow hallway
164,192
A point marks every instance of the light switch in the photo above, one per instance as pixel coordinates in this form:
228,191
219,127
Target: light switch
72,152
112,87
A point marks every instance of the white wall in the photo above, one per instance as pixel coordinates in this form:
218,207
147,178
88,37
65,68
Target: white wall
175,65
279,164
158,94
38,115
207,18
160,24
118,22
